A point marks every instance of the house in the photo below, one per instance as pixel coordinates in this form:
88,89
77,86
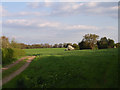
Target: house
69,48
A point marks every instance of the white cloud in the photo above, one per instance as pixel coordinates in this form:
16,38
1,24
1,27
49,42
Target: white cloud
21,22
43,24
82,27
92,4
29,14
49,24
28,23
93,8
67,9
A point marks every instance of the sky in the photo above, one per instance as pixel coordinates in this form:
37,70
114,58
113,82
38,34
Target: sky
58,22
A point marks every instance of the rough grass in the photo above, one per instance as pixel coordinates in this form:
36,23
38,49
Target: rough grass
13,69
69,69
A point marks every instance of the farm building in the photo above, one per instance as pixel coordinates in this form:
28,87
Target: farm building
69,48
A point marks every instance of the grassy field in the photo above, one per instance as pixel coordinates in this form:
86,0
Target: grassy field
56,68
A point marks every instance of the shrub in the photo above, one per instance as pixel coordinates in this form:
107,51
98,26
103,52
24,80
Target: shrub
11,54
7,55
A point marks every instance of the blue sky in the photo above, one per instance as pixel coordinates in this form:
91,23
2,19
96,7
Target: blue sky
57,22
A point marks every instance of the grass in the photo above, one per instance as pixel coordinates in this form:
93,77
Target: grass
13,69
56,68
45,51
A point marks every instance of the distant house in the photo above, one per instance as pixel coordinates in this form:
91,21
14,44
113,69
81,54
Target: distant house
69,48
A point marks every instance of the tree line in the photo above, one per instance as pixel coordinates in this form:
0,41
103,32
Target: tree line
89,41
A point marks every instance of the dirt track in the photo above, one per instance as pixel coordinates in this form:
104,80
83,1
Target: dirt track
9,66
11,76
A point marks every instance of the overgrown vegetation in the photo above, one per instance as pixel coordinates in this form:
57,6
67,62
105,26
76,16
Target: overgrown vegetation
10,51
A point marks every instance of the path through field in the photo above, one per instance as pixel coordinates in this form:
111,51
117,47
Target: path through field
11,76
9,66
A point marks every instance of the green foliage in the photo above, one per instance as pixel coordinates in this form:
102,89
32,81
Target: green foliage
117,45
5,42
105,43
110,43
7,55
70,69
89,41
76,46
10,50
84,45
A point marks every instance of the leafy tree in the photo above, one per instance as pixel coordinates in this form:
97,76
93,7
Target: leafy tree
5,42
110,43
90,40
84,45
10,50
103,43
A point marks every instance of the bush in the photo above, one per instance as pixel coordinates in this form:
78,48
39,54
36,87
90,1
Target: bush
9,55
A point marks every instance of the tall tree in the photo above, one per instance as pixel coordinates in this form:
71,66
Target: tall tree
5,42
110,43
91,39
103,43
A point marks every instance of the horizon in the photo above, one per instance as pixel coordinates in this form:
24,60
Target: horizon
57,22
55,43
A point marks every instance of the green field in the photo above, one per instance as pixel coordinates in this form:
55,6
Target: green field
56,68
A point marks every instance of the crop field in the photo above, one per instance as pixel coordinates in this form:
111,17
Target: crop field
56,68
